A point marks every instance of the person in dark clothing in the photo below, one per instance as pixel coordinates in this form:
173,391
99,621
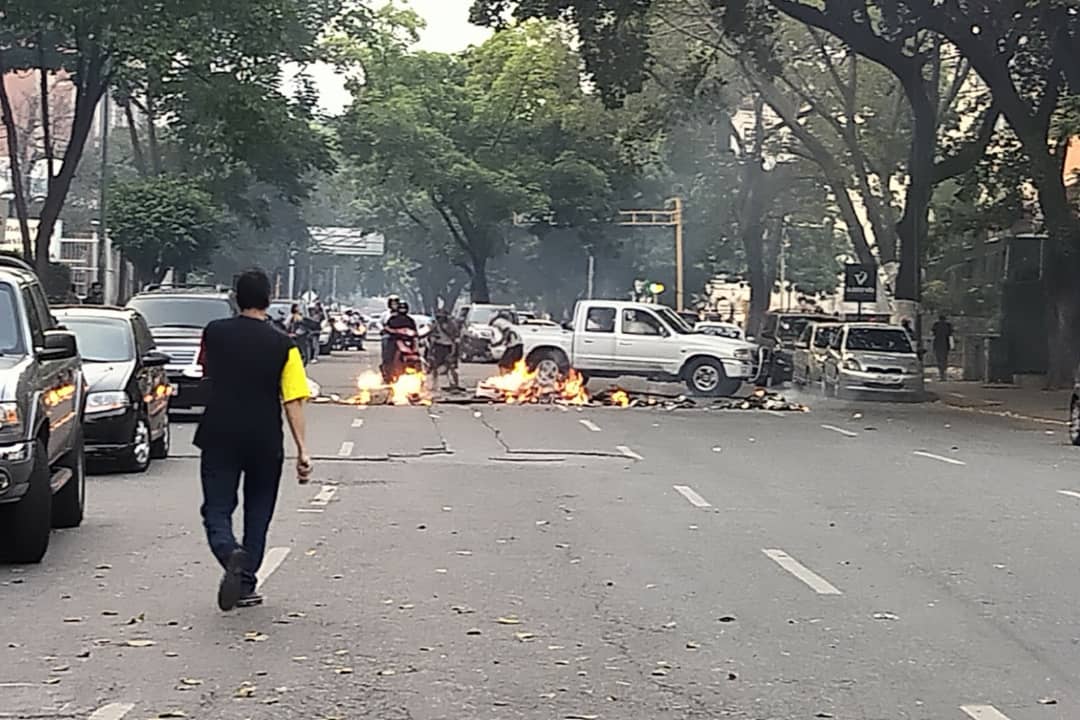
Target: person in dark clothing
253,369
943,334
95,296
401,318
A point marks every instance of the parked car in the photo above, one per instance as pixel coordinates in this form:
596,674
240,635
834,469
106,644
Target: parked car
613,338
127,401
872,359
729,330
42,395
810,351
177,316
778,336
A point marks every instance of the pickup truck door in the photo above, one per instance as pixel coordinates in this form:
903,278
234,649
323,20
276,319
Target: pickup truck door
594,339
645,344
58,377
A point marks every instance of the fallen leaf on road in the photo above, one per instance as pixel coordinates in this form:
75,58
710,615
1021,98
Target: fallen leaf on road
83,654
1048,701
823,715
525,636
885,616
691,645
310,553
255,636
387,672
171,654
575,716
464,553
732,676
339,653
441,571
562,662
718,449
299,658
344,671
509,620
60,668
669,625
73,619
296,614
462,609
542,522
660,672
726,619
406,606
473,631
52,681
191,682
245,691
171,714
140,643
104,566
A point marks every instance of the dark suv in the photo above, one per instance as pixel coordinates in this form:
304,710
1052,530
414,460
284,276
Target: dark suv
42,397
176,316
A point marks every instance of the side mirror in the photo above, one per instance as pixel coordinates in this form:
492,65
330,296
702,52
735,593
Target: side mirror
155,358
59,345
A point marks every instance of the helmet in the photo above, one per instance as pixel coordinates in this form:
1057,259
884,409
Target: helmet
393,301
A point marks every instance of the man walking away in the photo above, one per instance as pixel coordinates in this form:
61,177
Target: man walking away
253,369
943,334
445,349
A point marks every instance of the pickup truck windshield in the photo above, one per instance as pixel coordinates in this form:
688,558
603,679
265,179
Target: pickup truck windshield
675,322
10,333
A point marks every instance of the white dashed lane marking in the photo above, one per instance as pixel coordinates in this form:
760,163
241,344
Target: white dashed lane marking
324,496
842,431
691,496
817,583
112,711
629,453
983,712
271,562
358,422
1070,493
590,425
939,458
346,449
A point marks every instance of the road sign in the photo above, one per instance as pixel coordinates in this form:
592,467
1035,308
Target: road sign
860,283
347,241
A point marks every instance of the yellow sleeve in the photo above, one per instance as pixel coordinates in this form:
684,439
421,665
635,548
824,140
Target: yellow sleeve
294,383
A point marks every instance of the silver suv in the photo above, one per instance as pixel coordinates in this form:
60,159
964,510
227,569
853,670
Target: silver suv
42,398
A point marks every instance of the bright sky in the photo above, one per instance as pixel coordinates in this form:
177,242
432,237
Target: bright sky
448,30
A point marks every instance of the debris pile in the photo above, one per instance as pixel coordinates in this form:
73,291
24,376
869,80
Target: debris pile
760,399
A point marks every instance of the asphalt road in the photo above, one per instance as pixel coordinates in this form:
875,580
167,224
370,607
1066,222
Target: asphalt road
858,561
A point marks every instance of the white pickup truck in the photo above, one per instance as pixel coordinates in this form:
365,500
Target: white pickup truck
613,339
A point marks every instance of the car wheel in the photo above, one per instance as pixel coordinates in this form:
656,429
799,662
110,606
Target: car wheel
706,377
25,525
159,449
137,457
1074,421
69,504
550,366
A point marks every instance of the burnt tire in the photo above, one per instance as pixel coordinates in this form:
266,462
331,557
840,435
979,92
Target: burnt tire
705,377
549,365
26,524
69,505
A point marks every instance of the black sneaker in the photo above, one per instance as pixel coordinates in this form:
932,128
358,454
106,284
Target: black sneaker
232,584
251,599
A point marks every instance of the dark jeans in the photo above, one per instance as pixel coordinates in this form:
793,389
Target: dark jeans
942,357
221,469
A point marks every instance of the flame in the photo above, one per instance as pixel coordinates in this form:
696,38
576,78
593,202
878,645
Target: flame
409,389
521,385
619,398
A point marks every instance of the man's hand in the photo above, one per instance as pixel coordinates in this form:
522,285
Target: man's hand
303,468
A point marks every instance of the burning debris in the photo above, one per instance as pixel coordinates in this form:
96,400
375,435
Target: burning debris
523,386
410,388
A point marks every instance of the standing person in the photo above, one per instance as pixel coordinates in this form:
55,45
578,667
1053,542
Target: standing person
943,338
392,304
95,295
297,329
253,369
445,349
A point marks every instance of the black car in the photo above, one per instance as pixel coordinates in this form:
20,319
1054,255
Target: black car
176,316
127,403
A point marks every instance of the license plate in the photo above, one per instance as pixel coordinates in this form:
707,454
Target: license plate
890,379
174,389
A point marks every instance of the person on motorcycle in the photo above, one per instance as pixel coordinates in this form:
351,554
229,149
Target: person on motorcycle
392,304
400,324
445,349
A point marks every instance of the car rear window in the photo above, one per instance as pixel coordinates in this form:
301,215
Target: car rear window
892,340
102,339
189,312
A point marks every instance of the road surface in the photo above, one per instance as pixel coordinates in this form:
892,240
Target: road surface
472,563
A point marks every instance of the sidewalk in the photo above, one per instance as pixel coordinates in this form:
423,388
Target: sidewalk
1043,406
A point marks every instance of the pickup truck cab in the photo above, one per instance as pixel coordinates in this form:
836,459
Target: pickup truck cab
609,338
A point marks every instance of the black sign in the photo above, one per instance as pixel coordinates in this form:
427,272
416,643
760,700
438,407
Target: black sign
860,283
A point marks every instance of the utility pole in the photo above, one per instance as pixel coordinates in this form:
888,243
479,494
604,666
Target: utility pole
671,216
292,273
590,278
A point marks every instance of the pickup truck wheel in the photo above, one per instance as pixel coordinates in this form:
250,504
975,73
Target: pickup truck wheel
549,366
69,504
706,377
137,457
25,525
159,449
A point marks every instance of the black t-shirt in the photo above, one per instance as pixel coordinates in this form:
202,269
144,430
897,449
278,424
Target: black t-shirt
400,321
942,334
243,359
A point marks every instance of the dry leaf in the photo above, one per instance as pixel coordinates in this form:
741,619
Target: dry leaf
60,668
172,654
109,613
191,682
245,691
255,636
140,643
473,631
300,658
172,714
73,619
52,681
344,671
691,645
524,636
137,619
509,620
388,672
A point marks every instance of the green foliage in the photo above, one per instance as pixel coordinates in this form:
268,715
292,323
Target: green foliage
166,222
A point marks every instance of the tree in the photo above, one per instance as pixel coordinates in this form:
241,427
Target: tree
166,223
501,129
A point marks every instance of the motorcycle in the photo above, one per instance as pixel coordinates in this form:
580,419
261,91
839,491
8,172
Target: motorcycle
341,335
406,355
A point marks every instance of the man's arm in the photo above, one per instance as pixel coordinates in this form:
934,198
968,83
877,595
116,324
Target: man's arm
294,393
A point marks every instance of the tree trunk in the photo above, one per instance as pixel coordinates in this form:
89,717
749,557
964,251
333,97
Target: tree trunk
912,228
89,92
479,285
136,144
46,113
16,173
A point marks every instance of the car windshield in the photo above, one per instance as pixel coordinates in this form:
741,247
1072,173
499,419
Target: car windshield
891,340
11,342
790,328
673,321
101,339
483,315
186,312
